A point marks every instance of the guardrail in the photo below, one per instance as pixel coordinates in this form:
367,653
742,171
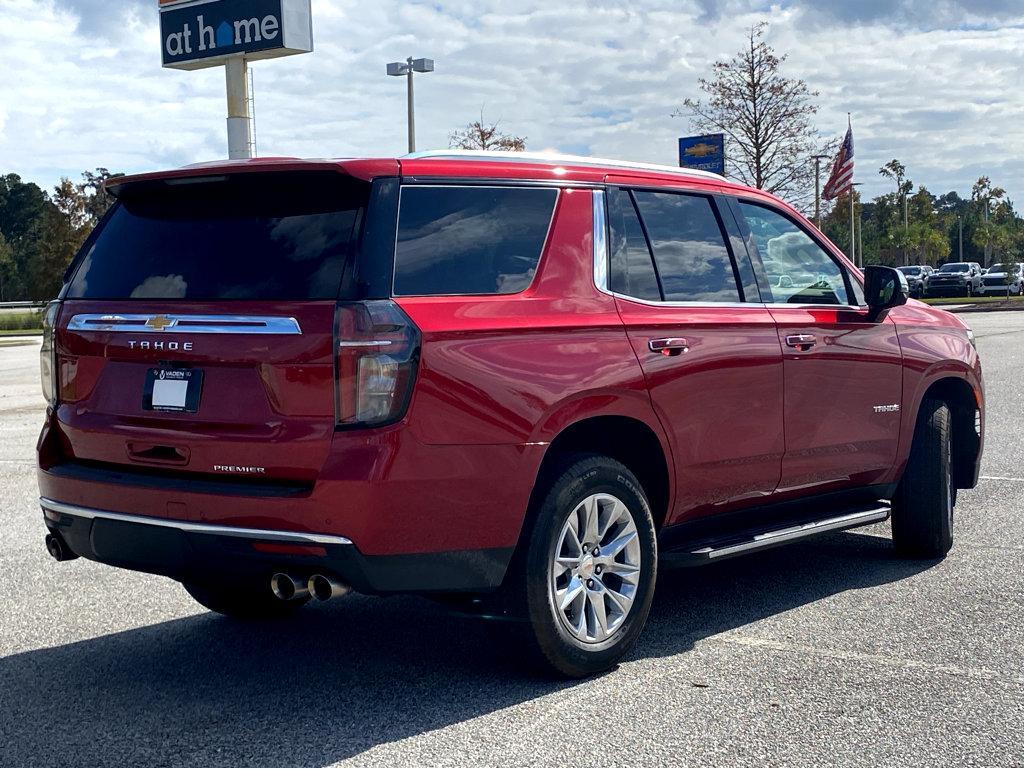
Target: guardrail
22,305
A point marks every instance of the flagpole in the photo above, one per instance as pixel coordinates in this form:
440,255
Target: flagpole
853,226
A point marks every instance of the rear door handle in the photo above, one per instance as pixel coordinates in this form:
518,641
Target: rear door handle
801,341
669,346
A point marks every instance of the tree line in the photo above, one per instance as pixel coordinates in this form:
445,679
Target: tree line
40,231
907,227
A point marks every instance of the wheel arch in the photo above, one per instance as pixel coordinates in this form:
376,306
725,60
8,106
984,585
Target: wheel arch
627,439
965,412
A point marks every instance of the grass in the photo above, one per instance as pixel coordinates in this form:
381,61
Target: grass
20,332
971,300
21,322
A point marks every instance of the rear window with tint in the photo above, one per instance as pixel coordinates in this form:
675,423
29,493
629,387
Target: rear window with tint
266,236
470,240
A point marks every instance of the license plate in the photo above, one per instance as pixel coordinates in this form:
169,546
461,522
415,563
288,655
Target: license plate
172,389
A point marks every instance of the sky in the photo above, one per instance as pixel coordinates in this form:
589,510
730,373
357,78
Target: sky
938,84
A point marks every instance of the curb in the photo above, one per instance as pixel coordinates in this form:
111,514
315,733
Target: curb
967,308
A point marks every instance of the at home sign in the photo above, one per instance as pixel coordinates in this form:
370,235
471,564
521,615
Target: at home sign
198,33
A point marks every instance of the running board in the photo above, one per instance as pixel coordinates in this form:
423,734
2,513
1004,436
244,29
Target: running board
749,542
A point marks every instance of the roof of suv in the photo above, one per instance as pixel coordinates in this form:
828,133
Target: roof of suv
450,163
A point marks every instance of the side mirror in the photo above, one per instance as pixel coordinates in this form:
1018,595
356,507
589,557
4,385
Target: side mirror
884,288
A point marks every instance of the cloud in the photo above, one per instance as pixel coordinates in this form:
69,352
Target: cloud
936,86
916,14
105,18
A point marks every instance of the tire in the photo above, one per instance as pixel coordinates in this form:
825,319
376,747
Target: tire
922,507
252,601
572,642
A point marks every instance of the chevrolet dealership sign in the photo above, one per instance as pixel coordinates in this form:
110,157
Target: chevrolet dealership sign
203,33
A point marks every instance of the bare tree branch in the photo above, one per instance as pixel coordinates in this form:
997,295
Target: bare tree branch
481,135
767,119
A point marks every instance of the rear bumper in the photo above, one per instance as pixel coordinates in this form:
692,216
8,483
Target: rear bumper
188,550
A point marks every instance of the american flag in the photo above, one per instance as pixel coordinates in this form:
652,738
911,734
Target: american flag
841,178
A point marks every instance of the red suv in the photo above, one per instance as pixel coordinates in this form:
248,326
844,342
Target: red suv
521,382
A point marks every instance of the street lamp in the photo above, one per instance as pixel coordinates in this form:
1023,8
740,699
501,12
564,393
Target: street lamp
410,65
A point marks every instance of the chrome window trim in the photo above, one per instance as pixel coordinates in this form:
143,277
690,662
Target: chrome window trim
849,307
266,535
602,257
601,267
601,253
136,323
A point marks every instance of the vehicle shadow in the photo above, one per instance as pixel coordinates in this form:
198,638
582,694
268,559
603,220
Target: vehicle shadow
341,678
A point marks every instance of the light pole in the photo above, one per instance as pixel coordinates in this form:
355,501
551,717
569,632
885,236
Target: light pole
410,65
960,227
817,189
853,228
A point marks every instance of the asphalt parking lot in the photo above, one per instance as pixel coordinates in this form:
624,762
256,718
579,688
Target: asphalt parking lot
828,652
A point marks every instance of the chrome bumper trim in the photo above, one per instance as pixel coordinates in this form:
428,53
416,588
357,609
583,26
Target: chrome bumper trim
265,535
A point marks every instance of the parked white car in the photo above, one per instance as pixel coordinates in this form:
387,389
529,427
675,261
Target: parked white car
998,276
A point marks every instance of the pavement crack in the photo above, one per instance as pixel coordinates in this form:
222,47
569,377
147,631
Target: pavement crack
983,674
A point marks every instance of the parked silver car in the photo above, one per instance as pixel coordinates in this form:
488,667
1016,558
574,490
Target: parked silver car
917,278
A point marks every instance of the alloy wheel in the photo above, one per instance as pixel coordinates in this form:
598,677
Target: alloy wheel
595,568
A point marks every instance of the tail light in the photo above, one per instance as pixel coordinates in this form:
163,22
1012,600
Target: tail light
48,353
377,353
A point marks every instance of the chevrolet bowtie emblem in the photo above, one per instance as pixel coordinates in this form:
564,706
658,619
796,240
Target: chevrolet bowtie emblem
160,322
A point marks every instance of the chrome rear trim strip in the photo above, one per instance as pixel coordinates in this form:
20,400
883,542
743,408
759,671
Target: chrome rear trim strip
264,535
185,324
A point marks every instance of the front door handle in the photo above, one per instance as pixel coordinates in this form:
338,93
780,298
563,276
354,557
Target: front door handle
802,341
669,346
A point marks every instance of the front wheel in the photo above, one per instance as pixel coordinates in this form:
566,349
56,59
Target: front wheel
587,579
242,601
922,508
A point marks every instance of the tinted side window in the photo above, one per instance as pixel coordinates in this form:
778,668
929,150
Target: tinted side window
470,240
799,270
632,270
692,259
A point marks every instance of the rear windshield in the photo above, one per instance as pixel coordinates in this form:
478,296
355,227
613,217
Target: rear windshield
470,240
266,236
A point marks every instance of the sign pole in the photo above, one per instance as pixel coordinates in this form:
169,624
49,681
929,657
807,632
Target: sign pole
237,77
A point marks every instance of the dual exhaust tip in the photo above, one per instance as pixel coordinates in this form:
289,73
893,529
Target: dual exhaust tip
288,587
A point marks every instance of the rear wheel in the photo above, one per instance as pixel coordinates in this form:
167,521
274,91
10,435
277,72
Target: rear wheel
243,601
922,509
587,579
